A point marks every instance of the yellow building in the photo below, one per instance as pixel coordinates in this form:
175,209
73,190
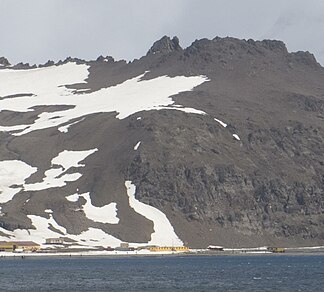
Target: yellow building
10,246
276,249
169,248
6,246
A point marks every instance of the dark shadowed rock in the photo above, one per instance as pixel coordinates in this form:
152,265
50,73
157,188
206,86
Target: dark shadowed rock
70,59
107,59
274,45
24,66
165,45
47,64
4,62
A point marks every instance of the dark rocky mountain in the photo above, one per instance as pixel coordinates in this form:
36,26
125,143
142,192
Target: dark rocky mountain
4,62
246,170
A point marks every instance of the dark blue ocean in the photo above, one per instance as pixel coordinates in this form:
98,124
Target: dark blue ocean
188,273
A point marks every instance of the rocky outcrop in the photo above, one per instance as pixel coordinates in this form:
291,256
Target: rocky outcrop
47,64
255,188
70,59
165,45
24,66
4,62
108,59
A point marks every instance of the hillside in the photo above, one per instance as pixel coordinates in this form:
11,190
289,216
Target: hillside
218,143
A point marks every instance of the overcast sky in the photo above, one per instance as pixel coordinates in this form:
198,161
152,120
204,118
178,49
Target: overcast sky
37,30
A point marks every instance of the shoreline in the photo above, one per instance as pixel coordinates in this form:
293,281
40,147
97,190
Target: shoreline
131,254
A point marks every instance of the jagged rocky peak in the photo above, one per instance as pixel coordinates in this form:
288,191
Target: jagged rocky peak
108,59
47,64
70,59
4,62
165,45
23,66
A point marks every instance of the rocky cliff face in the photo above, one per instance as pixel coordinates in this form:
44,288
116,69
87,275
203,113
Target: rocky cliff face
238,160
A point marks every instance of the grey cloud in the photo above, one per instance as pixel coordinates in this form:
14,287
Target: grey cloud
37,30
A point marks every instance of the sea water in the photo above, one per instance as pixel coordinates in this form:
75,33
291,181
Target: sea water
164,273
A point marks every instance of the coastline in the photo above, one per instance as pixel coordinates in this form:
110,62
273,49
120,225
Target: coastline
307,251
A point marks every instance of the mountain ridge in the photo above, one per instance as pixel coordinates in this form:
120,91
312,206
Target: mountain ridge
234,158
166,45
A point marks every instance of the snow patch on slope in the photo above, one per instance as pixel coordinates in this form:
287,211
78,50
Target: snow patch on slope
104,214
90,237
132,96
13,173
65,128
40,232
55,177
220,122
137,145
69,158
236,137
73,198
96,237
163,231
47,227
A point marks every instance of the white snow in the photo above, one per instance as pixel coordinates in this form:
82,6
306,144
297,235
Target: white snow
46,82
132,96
13,172
306,247
188,110
7,233
104,214
65,128
236,137
137,145
69,159
52,180
90,237
96,237
163,231
55,177
41,232
220,122
73,198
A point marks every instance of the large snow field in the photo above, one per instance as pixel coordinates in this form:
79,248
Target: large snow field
47,86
